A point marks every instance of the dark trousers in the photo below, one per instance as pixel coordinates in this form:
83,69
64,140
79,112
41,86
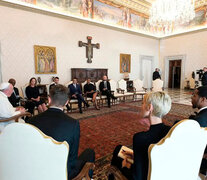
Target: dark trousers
109,96
117,162
80,100
88,155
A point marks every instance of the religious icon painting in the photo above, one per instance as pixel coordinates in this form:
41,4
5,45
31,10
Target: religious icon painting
45,60
125,63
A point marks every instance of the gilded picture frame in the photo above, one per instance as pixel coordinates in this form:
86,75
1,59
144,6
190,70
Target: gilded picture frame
125,63
45,60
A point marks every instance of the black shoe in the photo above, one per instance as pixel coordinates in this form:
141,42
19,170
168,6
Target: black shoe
109,106
81,111
68,107
87,105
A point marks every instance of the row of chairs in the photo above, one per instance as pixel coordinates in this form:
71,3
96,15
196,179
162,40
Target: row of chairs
27,153
119,90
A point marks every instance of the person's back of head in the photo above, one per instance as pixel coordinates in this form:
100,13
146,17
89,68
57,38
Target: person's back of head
58,96
12,81
160,101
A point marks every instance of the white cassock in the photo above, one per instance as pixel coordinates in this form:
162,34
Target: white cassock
6,110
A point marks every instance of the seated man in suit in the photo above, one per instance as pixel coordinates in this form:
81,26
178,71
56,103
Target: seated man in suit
105,89
55,123
55,82
75,93
14,99
90,91
155,106
199,100
6,109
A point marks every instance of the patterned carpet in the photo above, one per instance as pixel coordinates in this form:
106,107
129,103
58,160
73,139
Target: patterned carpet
103,130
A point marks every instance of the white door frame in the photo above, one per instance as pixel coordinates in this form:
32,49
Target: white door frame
171,58
142,58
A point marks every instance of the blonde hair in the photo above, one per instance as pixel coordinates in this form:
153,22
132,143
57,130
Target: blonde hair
160,101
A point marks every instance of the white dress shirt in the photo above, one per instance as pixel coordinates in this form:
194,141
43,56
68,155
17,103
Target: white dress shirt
6,110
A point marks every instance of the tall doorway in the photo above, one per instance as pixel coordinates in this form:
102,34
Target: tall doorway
174,73
146,70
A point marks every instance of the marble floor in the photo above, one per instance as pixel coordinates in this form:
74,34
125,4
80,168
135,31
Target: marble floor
180,96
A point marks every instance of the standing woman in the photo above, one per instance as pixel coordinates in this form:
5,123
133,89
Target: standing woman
32,93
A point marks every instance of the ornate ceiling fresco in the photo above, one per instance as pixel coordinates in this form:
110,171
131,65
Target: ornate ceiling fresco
132,15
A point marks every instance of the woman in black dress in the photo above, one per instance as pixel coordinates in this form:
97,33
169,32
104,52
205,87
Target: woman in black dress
32,93
90,91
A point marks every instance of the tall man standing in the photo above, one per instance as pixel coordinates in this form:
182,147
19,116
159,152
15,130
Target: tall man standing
55,123
105,89
156,74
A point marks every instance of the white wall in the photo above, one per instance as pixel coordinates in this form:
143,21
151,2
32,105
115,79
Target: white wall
193,46
21,30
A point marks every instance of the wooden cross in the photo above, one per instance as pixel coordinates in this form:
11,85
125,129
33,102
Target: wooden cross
89,48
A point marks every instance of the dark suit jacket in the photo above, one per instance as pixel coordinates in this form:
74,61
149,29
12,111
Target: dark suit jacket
14,99
204,79
74,90
156,75
61,127
201,118
101,86
51,85
141,143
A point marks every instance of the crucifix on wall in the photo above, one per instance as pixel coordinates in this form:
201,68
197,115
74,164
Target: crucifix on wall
89,48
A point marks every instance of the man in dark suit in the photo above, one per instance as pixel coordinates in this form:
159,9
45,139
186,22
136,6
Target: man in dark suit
14,99
55,82
204,77
199,100
156,74
75,93
55,123
105,89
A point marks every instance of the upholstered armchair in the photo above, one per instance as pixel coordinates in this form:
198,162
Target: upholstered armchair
117,92
157,85
177,156
28,154
122,85
139,89
16,117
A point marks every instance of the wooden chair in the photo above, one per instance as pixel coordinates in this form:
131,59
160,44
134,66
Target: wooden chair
139,89
122,85
17,118
177,156
116,92
28,154
157,85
